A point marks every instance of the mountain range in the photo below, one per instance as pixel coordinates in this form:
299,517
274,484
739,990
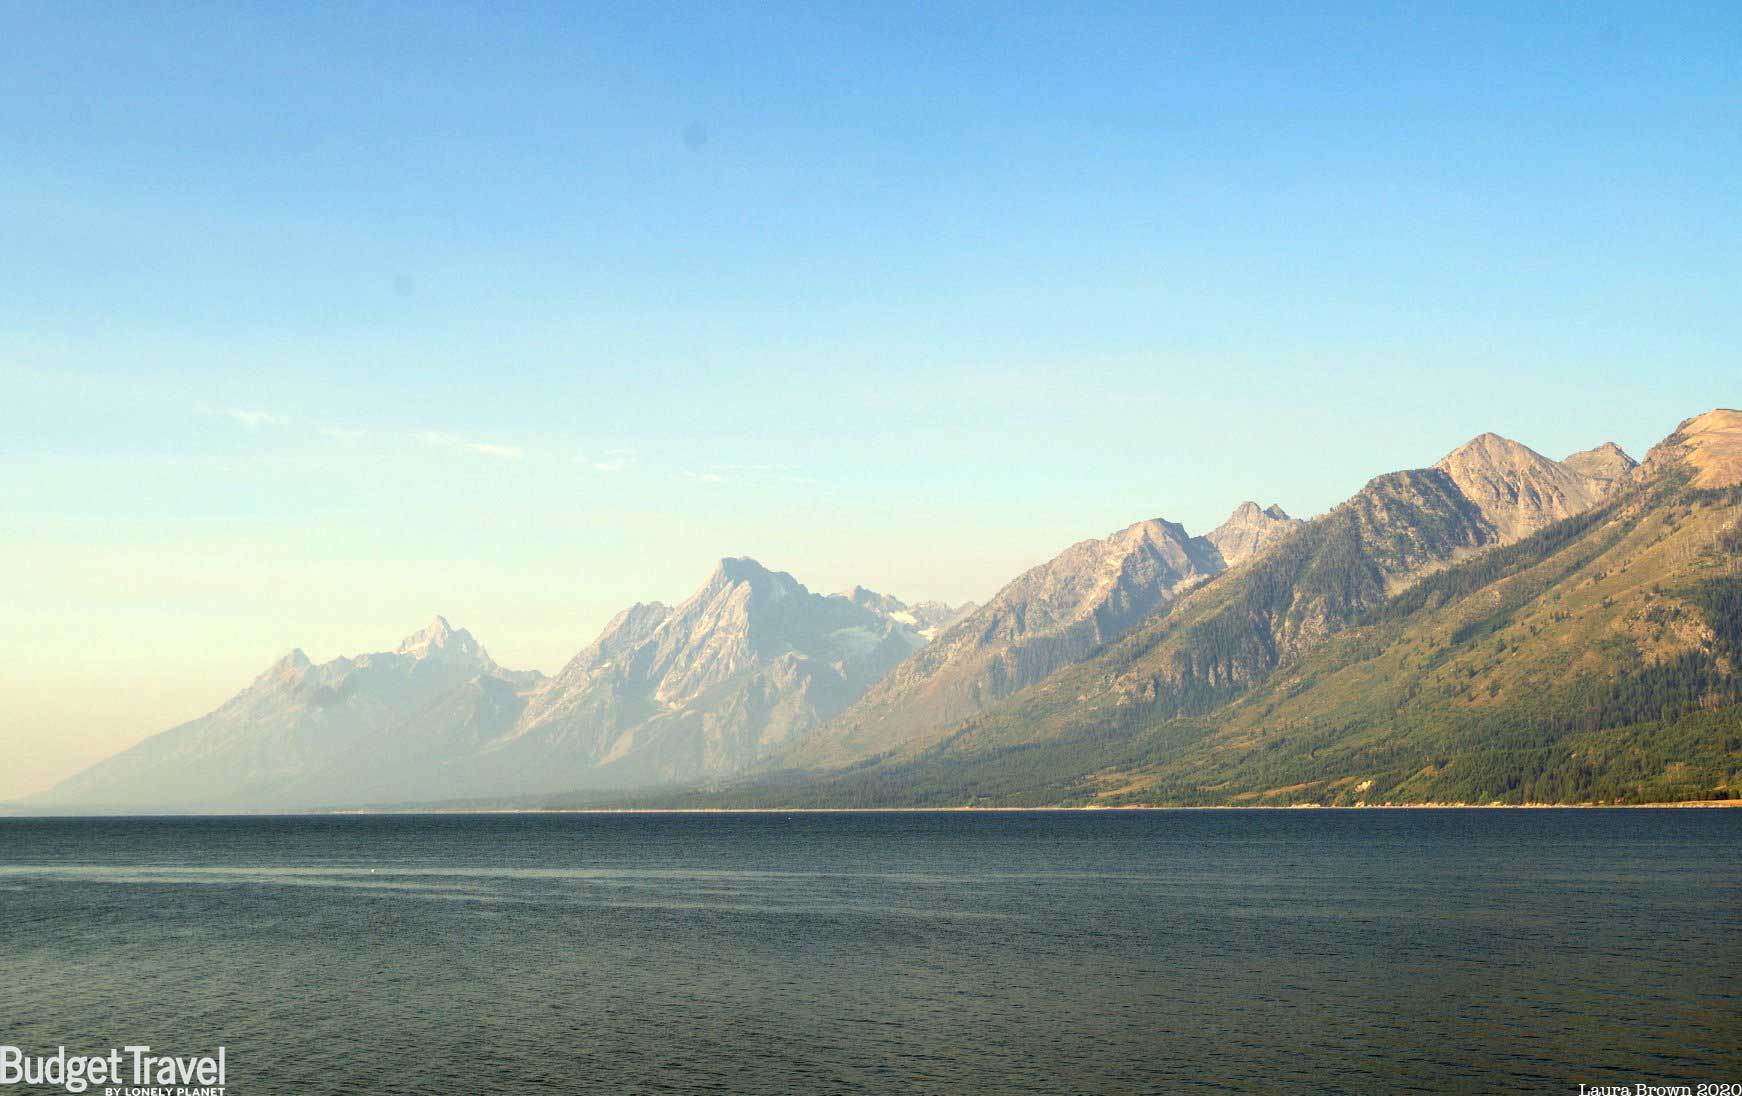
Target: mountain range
1501,627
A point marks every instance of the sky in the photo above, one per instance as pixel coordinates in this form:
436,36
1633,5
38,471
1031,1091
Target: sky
319,319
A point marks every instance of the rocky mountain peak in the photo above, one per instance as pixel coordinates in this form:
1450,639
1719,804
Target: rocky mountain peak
290,668
743,578
741,569
741,581
621,634
640,618
1607,463
1517,489
714,684
871,599
925,619
1140,564
1250,530
440,638
1150,531
291,721
1047,617
1491,449
1709,445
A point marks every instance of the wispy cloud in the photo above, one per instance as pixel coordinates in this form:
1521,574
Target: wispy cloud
350,435
613,460
722,472
493,450
754,469
252,418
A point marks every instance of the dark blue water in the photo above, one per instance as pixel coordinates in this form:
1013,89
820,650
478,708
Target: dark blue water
1267,951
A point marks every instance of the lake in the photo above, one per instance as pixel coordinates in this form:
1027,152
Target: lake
1263,951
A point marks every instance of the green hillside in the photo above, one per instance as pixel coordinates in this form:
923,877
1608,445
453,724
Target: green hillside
1592,662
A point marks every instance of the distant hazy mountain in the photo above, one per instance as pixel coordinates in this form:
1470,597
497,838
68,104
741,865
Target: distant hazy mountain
700,691
928,618
292,722
703,690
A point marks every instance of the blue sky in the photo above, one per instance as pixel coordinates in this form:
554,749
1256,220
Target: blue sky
315,320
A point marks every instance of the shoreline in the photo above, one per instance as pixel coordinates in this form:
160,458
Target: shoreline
1693,804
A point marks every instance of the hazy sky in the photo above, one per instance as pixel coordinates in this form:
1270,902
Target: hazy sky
316,320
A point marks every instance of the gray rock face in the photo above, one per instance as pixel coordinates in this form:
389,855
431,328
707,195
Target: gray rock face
292,723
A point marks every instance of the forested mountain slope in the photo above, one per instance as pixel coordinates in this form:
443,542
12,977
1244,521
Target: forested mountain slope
1394,651
1202,618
